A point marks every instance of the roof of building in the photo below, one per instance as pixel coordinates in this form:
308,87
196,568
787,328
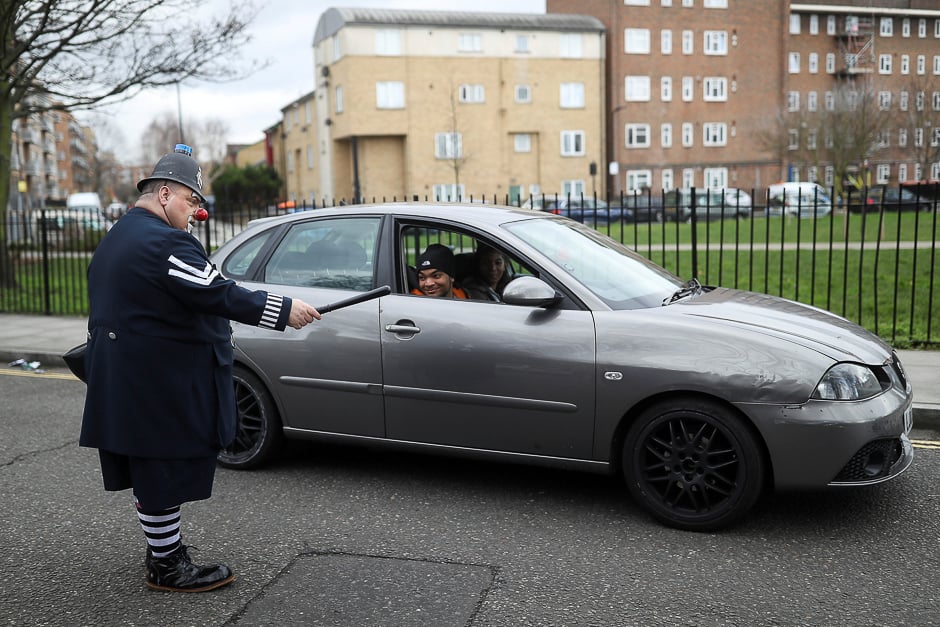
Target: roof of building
334,19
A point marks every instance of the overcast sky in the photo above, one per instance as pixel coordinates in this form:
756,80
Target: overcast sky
282,33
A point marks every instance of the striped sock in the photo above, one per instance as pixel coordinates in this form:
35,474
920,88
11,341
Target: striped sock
162,529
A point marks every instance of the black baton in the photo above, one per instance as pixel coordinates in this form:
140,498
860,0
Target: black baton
355,300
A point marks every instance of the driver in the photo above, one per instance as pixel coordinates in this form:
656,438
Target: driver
436,268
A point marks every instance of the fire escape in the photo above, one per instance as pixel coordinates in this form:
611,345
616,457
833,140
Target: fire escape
856,46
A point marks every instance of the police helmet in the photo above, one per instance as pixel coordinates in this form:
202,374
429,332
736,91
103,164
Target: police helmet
180,167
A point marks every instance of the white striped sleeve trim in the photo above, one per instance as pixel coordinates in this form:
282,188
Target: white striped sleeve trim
192,274
272,311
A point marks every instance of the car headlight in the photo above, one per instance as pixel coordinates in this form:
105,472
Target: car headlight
848,382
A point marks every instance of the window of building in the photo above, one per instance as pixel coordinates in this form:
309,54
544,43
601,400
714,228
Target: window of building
470,42
523,94
886,27
921,28
812,63
638,180
905,64
830,63
665,3
637,135
793,101
522,43
688,88
572,143
902,100
936,29
687,137
667,179
388,42
715,88
522,142
665,135
448,145
812,99
309,157
572,188
570,46
935,98
918,137
472,94
714,134
794,63
637,3
814,24
688,3
794,23
636,40
830,24
884,100
665,42
716,42
665,88
883,173
902,137
448,192
935,136
902,172
716,4
883,139
390,95
337,49
338,98
290,161
688,42
906,27
572,95
921,64
637,88
811,139
688,177
936,64
919,101
884,63
716,178
793,139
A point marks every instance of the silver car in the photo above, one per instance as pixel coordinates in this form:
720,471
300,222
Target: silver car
596,359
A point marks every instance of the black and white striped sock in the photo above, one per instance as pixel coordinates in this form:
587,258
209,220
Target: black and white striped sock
162,529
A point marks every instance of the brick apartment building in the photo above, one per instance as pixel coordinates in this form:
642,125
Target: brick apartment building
696,85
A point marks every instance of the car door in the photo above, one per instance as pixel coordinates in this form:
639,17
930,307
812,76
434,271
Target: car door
327,376
488,376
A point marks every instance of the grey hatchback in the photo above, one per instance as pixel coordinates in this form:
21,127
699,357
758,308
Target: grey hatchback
594,359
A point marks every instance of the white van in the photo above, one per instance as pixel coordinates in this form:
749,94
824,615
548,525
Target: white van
84,200
802,199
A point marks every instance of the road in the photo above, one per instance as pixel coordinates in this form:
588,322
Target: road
344,536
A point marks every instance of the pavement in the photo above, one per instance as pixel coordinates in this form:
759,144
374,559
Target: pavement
45,338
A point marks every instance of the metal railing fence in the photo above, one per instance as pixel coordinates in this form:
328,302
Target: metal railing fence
873,262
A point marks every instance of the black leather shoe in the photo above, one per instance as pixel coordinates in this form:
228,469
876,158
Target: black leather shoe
177,573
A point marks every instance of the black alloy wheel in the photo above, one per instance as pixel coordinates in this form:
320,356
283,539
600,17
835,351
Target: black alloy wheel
693,464
258,432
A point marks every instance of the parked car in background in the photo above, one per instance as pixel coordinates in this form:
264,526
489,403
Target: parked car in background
586,209
701,398
709,204
891,198
803,199
739,199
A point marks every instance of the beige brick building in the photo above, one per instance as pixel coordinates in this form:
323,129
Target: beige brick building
434,104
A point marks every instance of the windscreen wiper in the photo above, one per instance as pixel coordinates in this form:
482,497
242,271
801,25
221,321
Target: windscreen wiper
692,286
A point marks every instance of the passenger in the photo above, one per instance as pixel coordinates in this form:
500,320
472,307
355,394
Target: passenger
436,268
489,276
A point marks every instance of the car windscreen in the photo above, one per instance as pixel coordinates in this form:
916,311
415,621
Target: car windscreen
617,275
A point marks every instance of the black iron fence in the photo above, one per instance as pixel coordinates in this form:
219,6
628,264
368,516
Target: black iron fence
871,258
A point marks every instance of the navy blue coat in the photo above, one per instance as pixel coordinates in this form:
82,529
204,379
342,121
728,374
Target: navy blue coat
159,357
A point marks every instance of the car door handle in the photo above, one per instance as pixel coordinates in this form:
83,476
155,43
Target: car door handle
402,328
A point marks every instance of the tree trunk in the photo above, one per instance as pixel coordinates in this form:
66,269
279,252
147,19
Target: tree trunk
7,277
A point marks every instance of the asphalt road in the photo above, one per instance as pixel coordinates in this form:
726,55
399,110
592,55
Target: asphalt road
344,536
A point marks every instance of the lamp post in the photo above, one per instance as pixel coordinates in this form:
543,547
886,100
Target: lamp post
179,112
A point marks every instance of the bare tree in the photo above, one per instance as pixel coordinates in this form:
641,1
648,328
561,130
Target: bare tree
918,114
83,54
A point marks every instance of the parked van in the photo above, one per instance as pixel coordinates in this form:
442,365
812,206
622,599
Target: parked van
803,199
84,200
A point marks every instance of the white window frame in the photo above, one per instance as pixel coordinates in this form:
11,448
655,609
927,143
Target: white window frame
935,100
571,46
906,27
688,88
715,4
472,94
571,95
390,95
883,173
902,172
884,100
636,135
793,63
830,24
885,63
636,41
921,64
830,63
665,88
688,177
812,101
665,135
573,187
922,28
905,64
903,100
523,94
522,142
665,41
338,99
795,23
714,134
918,137
715,89
469,42
448,192
448,145
936,64
715,43
812,63
902,137
886,27
793,139
388,42
688,42
638,180
793,101
688,135
522,43
667,179
636,88
716,178
572,144
813,24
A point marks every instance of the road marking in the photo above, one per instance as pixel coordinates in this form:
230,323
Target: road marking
927,444
47,375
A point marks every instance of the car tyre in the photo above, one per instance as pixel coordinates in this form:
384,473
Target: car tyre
693,464
258,431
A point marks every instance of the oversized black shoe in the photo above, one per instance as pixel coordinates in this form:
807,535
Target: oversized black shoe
177,573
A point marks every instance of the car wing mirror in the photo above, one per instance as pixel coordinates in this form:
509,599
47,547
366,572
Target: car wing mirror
530,292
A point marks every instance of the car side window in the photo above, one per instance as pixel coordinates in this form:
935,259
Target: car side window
331,252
